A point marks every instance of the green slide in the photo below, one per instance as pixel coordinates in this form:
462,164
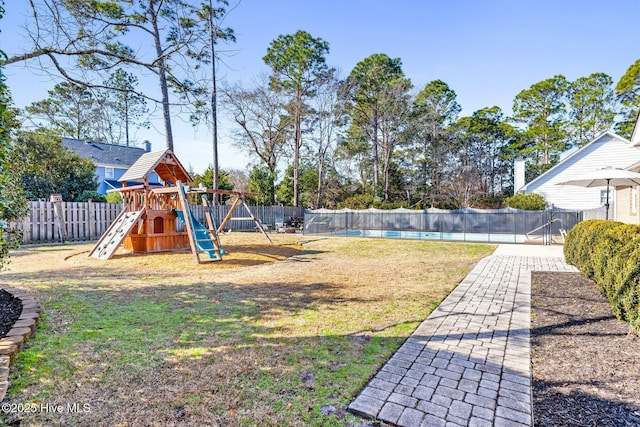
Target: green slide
202,237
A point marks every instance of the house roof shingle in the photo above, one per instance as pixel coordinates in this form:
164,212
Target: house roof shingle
104,154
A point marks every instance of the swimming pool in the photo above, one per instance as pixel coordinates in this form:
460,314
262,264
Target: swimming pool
434,235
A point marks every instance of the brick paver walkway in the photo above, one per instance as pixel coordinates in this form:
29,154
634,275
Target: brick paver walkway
469,363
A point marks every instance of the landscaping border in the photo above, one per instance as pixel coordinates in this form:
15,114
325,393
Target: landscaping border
21,331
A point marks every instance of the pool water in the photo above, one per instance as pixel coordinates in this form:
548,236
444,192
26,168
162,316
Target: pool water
434,235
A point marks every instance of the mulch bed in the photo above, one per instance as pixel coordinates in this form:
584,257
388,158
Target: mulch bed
586,365
10,310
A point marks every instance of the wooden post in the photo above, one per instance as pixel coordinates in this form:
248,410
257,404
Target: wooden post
91,217
58,215
226,219
187,221
255,220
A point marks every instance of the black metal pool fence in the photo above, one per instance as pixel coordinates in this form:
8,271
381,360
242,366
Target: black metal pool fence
477,225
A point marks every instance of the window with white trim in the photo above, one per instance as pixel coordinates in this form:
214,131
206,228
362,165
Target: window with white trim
603,197
634,199
108,173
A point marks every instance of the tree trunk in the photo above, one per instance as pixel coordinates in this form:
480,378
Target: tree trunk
320,178
162,72
322,153
126,119
296,149
376,161
387,151
435,185
214,104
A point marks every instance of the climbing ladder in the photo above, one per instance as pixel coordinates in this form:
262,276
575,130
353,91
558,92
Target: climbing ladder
113,237
201,238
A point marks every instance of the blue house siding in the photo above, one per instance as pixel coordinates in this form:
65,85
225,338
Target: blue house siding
104,156
106,184
100,173
112,182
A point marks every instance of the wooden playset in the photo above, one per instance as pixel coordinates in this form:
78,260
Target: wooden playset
147,222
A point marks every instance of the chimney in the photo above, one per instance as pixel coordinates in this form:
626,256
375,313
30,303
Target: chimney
518,174
147,146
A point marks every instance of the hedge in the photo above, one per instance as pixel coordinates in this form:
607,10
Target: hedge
609,253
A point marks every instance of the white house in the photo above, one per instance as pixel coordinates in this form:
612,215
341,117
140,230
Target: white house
628,206
607,149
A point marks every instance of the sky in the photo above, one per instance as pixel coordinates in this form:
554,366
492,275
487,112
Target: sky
487,51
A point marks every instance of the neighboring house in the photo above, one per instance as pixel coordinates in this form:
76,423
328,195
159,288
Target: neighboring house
111,161
607,149
628,197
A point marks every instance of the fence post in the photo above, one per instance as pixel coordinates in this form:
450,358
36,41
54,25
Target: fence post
26,228
464,226
92,219
58,218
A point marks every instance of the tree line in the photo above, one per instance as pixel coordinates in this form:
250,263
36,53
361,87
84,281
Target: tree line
373,139
318,138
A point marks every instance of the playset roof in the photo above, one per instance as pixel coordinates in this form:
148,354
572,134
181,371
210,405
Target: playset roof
164,163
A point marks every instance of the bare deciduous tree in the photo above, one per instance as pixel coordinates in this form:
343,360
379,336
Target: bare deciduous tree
85,40
262,124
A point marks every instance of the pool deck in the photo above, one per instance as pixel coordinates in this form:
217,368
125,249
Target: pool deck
469,362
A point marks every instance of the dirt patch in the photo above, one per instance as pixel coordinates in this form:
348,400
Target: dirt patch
241,250
10,309
586,365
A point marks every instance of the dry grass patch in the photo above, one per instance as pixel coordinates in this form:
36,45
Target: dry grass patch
160,340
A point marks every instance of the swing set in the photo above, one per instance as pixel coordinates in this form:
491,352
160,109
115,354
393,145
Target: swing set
151,214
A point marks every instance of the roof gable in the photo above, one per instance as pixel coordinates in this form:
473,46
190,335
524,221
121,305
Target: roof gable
104,154
164,163
570,160
635,136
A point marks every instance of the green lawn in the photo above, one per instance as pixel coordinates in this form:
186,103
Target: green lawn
159,340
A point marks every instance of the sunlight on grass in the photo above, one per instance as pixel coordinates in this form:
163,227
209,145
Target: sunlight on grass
267,344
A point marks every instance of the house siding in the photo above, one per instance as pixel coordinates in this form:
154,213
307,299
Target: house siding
118,157
624,210
606,150
101,174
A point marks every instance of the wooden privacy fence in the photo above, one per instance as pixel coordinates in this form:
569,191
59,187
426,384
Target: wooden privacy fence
49,222
74,221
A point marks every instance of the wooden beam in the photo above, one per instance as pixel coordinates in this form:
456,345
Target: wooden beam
226,219
258,224
165,190
124,189
227,192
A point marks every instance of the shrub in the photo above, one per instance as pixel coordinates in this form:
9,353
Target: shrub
113,198
366,201
92,195
609,253
527,202
616,241
592,232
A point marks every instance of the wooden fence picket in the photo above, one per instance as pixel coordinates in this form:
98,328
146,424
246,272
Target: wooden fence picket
89,220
